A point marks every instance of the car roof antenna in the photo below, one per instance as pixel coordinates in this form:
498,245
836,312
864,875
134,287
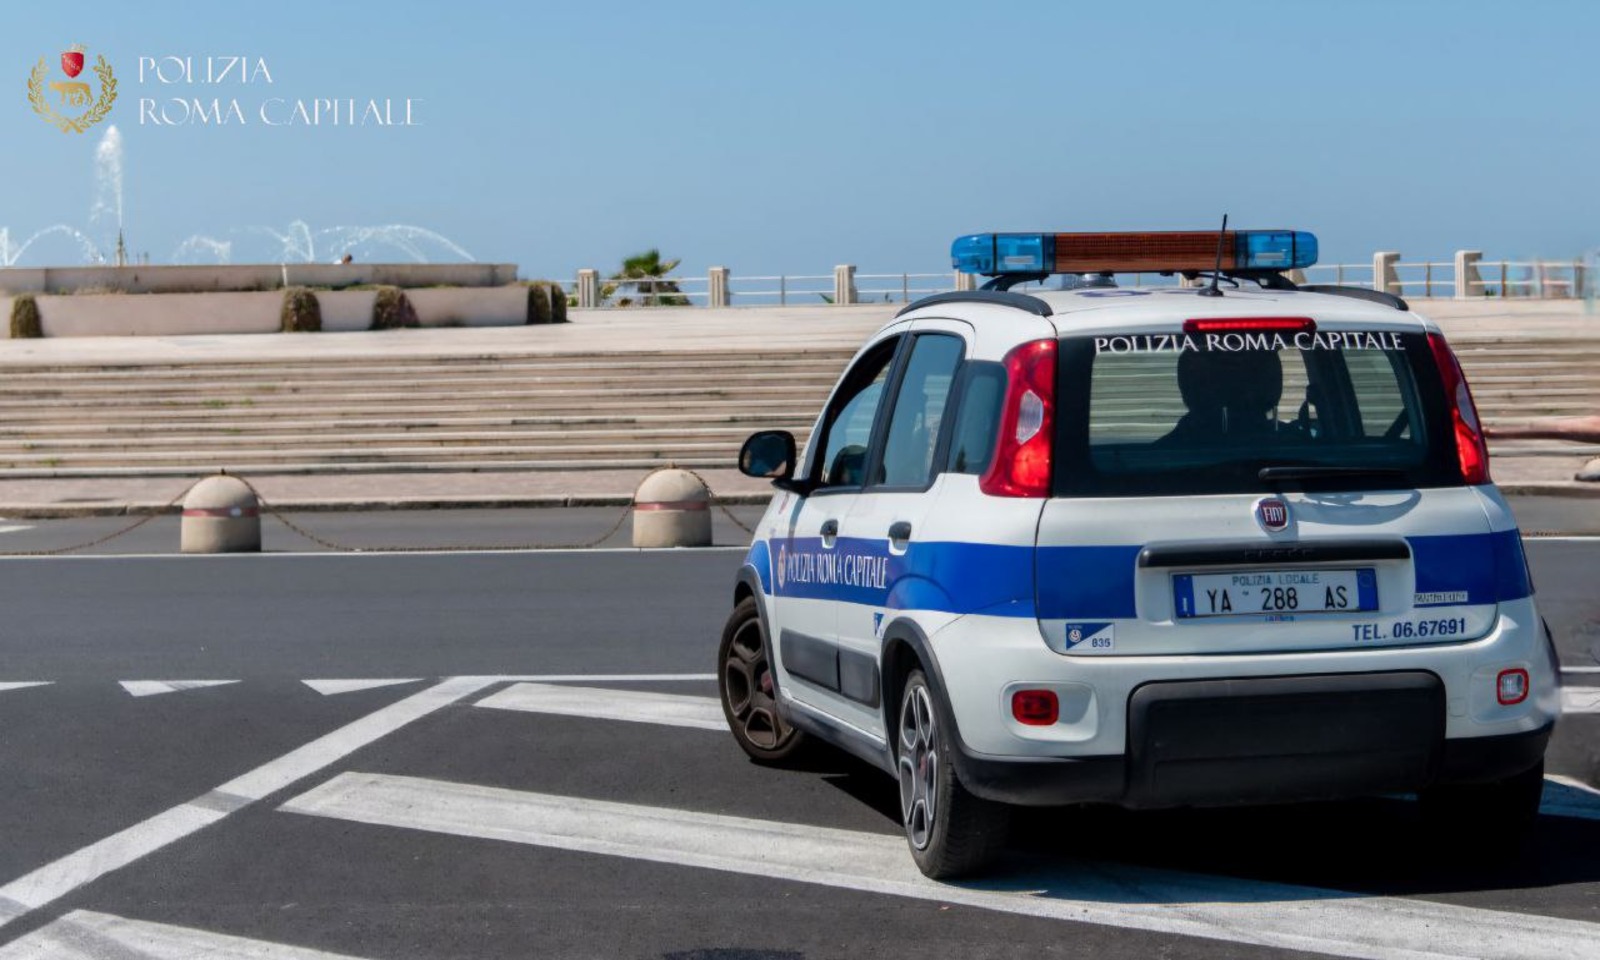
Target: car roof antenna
1216,274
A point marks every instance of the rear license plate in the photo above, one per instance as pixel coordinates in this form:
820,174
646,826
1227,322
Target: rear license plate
1274,592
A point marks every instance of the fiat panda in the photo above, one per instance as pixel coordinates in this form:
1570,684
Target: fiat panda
1232,541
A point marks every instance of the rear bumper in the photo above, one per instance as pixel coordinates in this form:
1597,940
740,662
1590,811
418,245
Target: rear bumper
1220,742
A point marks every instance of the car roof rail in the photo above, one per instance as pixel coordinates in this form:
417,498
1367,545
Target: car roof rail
1357,293
1000,298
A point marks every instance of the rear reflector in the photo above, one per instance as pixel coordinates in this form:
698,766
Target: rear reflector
1471,450
1511,687
1036,708
1250,325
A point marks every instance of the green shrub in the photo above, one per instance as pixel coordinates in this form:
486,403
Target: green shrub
301,312
547,302
392,311
25,318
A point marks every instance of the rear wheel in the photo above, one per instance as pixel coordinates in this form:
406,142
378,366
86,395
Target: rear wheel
1506,806
951,832
749,694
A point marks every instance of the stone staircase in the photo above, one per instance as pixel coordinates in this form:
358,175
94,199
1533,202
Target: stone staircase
527,411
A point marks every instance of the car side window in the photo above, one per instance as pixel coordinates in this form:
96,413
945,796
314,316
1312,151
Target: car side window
977,418
919,409
847,434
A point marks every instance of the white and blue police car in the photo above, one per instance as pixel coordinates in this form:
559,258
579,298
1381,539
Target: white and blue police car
1231,542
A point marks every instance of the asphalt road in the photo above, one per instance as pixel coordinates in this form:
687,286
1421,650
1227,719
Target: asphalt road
525,809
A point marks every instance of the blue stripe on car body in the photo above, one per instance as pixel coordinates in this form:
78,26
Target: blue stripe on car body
1084,582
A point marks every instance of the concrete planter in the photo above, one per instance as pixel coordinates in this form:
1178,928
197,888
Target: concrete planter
160,314
344,311
470,306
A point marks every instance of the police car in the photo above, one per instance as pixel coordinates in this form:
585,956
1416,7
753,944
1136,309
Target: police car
1229,542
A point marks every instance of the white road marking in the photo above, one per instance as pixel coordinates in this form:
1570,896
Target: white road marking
1580,700
592,677
1215,908
15,528
703,713
1569,797
151,688
331,687
55,880
87,935
22,684
1580,669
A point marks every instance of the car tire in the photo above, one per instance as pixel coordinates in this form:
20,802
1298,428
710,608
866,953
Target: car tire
748,691
951,832
1505,808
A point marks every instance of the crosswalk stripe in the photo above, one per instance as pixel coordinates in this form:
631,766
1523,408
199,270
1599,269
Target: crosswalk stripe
1580,700
151,688
88,935
1210,907
703,713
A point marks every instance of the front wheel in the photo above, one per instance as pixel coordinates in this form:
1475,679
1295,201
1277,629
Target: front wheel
952,833
748,691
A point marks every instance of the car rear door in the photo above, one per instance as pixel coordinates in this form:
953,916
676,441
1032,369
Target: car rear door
1263,491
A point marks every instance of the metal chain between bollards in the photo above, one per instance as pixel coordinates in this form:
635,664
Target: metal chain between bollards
627,511
59,551
266,507
720,505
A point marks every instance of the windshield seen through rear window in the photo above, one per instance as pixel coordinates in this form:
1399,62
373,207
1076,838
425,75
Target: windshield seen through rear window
1207,413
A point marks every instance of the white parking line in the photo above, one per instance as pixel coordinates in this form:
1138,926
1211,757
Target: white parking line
87,935
704,713
59,878
1214,908
151,688
24,684
1580,700
330,688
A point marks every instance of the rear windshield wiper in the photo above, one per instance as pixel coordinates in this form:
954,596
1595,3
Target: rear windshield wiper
1328,472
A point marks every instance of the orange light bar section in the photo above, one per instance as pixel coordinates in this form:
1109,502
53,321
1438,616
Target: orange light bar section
1171,250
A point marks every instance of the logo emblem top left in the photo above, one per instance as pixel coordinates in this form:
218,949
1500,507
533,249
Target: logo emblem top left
76,106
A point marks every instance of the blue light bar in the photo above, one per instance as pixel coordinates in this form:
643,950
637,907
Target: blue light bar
992,254
1275,250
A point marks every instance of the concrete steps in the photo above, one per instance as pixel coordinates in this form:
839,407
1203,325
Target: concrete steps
526,412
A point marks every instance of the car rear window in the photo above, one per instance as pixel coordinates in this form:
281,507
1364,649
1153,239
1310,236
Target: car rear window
1168,414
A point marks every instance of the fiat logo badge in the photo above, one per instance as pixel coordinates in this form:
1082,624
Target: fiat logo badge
1272,513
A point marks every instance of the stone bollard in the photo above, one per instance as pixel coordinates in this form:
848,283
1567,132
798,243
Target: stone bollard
221,515
672,508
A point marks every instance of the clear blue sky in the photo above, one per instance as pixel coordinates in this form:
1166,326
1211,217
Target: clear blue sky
793,137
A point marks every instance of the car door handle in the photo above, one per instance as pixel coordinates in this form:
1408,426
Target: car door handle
830,529
900,531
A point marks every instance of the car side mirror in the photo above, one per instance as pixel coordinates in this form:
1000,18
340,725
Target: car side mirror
768,455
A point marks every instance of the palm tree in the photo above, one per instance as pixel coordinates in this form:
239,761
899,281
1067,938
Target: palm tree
644,272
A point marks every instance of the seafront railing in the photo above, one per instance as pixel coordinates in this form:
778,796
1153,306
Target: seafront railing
1465,277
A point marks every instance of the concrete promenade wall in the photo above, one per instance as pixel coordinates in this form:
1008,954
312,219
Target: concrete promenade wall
181,314
244,277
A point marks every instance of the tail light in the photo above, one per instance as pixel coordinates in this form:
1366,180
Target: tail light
1471,450
1021,464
